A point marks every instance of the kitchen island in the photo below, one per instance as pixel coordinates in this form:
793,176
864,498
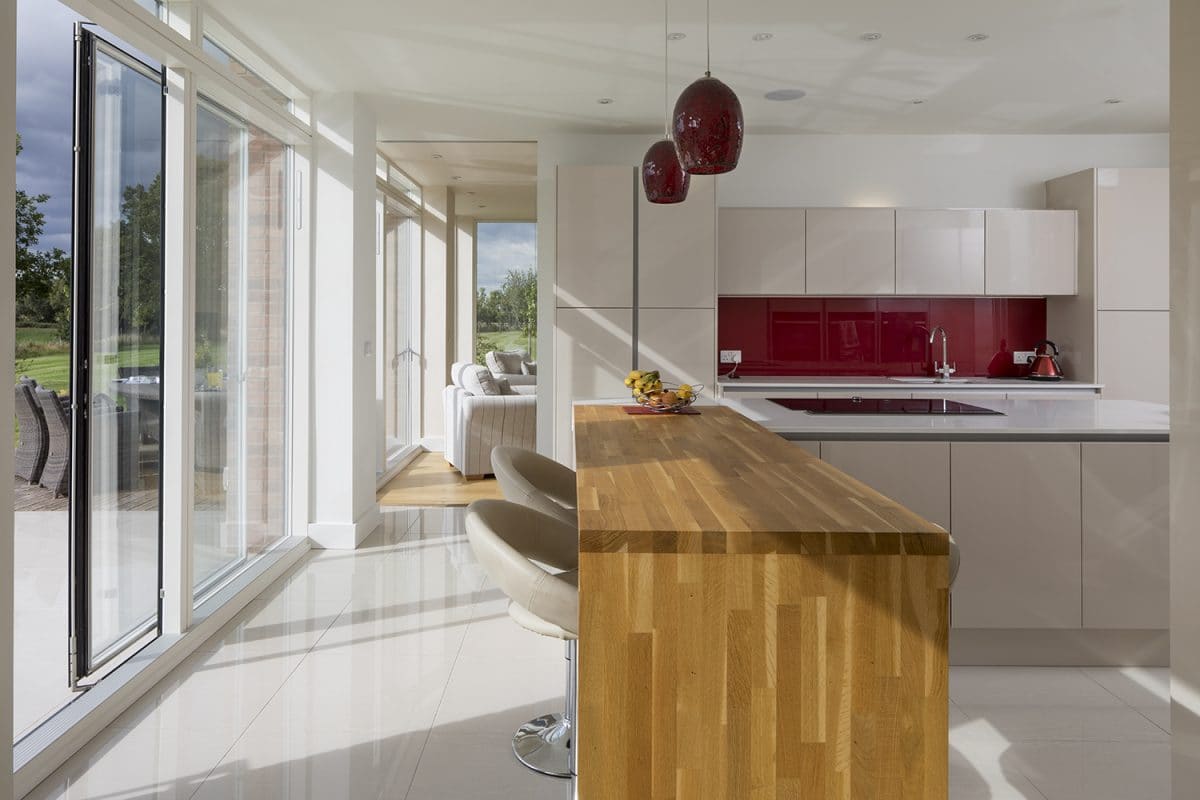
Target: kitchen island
1060,508
753,621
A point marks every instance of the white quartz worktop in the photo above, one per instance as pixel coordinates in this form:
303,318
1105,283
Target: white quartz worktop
1067,419
749,383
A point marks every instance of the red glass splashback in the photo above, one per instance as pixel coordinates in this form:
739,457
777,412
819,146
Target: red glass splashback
877,336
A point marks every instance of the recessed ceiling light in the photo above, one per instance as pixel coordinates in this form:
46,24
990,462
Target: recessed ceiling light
605,101
437,155
782,95
978,37
675,36
871,37
456,177
916,101
1113,101
763,37
471,193
482,205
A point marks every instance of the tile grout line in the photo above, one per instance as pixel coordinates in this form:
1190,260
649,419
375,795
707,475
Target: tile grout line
1128,705
441,699
274,694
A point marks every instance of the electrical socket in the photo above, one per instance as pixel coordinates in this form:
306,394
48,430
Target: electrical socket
731,356
1022,357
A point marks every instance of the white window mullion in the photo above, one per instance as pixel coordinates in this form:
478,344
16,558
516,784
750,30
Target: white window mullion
178,377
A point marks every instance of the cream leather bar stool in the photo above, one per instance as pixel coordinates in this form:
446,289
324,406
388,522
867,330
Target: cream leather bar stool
532,558
955,561
536,481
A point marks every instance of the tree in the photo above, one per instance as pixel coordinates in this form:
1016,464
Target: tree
43,278
141,258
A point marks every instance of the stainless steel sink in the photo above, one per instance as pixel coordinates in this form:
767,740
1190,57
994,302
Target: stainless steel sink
932,380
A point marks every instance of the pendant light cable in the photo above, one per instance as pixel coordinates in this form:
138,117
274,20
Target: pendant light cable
708,38
667,67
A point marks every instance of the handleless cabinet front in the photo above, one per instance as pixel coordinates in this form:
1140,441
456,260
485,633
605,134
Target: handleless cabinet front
850,251
914,474
677,249
1031,253
760,251
595,237
1015,513
939,252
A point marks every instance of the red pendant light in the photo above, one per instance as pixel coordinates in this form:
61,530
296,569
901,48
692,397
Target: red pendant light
707,123
663,178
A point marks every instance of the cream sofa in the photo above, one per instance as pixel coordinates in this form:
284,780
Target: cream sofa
507,364
476,422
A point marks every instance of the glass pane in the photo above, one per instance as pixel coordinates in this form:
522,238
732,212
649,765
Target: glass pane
505,288
399,245
125,307
238,69
240,344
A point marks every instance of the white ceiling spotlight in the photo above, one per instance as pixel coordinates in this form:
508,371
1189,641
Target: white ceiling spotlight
605,101
871,37
436,155
456,177
1114,101
783,95
978,37
676,36
916,101
763,37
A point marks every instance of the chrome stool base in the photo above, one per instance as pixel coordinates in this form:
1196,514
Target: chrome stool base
544,745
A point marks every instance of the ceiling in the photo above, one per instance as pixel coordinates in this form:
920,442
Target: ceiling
490,180
525,68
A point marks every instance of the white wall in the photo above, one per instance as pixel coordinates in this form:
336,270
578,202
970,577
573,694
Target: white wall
828,170
343,331
1185,398
8,182
464,294
437,319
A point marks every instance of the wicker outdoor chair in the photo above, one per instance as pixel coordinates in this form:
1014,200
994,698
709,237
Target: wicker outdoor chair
56,475
33,442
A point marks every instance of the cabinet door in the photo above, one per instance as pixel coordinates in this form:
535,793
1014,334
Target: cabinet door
914,474
976,398
1015,513
677,249
1125,535
939,252
760,251
1134,350
850,251
593,354
1133,248
1031,252
595,237
681,343
812,448
871,394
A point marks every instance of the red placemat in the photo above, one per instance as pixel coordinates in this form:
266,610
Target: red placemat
644,410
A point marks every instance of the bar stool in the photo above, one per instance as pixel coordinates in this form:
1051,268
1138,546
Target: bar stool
532,557
955,561
535,481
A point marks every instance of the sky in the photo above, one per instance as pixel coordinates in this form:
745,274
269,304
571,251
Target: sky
503,246
45,97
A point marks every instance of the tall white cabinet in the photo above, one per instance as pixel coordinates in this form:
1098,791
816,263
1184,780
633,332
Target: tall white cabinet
636,284
1116,329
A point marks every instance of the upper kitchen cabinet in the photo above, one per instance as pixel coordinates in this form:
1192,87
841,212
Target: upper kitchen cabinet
939,252
1133,239
760,251
850,251
1030,253
595,237
677,249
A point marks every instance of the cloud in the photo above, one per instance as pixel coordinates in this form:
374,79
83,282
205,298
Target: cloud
503,246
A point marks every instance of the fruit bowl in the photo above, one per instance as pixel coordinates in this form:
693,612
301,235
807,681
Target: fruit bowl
650,391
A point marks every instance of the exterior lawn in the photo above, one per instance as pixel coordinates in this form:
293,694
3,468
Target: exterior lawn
44,357
504,340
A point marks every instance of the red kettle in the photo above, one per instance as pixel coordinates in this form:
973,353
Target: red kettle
1042,365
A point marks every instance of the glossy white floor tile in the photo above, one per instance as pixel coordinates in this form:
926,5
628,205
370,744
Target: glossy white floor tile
394,671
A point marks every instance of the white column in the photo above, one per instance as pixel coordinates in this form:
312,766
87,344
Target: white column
464,289
436,309
8,181
1185,398
343,343
178,373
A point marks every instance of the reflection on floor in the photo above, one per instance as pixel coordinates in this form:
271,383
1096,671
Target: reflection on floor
394,671
430,481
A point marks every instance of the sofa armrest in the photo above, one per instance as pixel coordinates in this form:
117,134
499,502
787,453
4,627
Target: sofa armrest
489,421
519,379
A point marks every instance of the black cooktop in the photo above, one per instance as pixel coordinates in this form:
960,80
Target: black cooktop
866,405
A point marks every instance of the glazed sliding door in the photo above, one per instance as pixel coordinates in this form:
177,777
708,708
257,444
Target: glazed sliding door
116,425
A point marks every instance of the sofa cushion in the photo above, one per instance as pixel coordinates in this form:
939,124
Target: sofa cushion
529,368
480,381
505,362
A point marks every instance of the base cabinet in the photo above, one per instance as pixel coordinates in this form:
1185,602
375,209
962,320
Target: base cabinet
914,474
1125,536
1015,513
